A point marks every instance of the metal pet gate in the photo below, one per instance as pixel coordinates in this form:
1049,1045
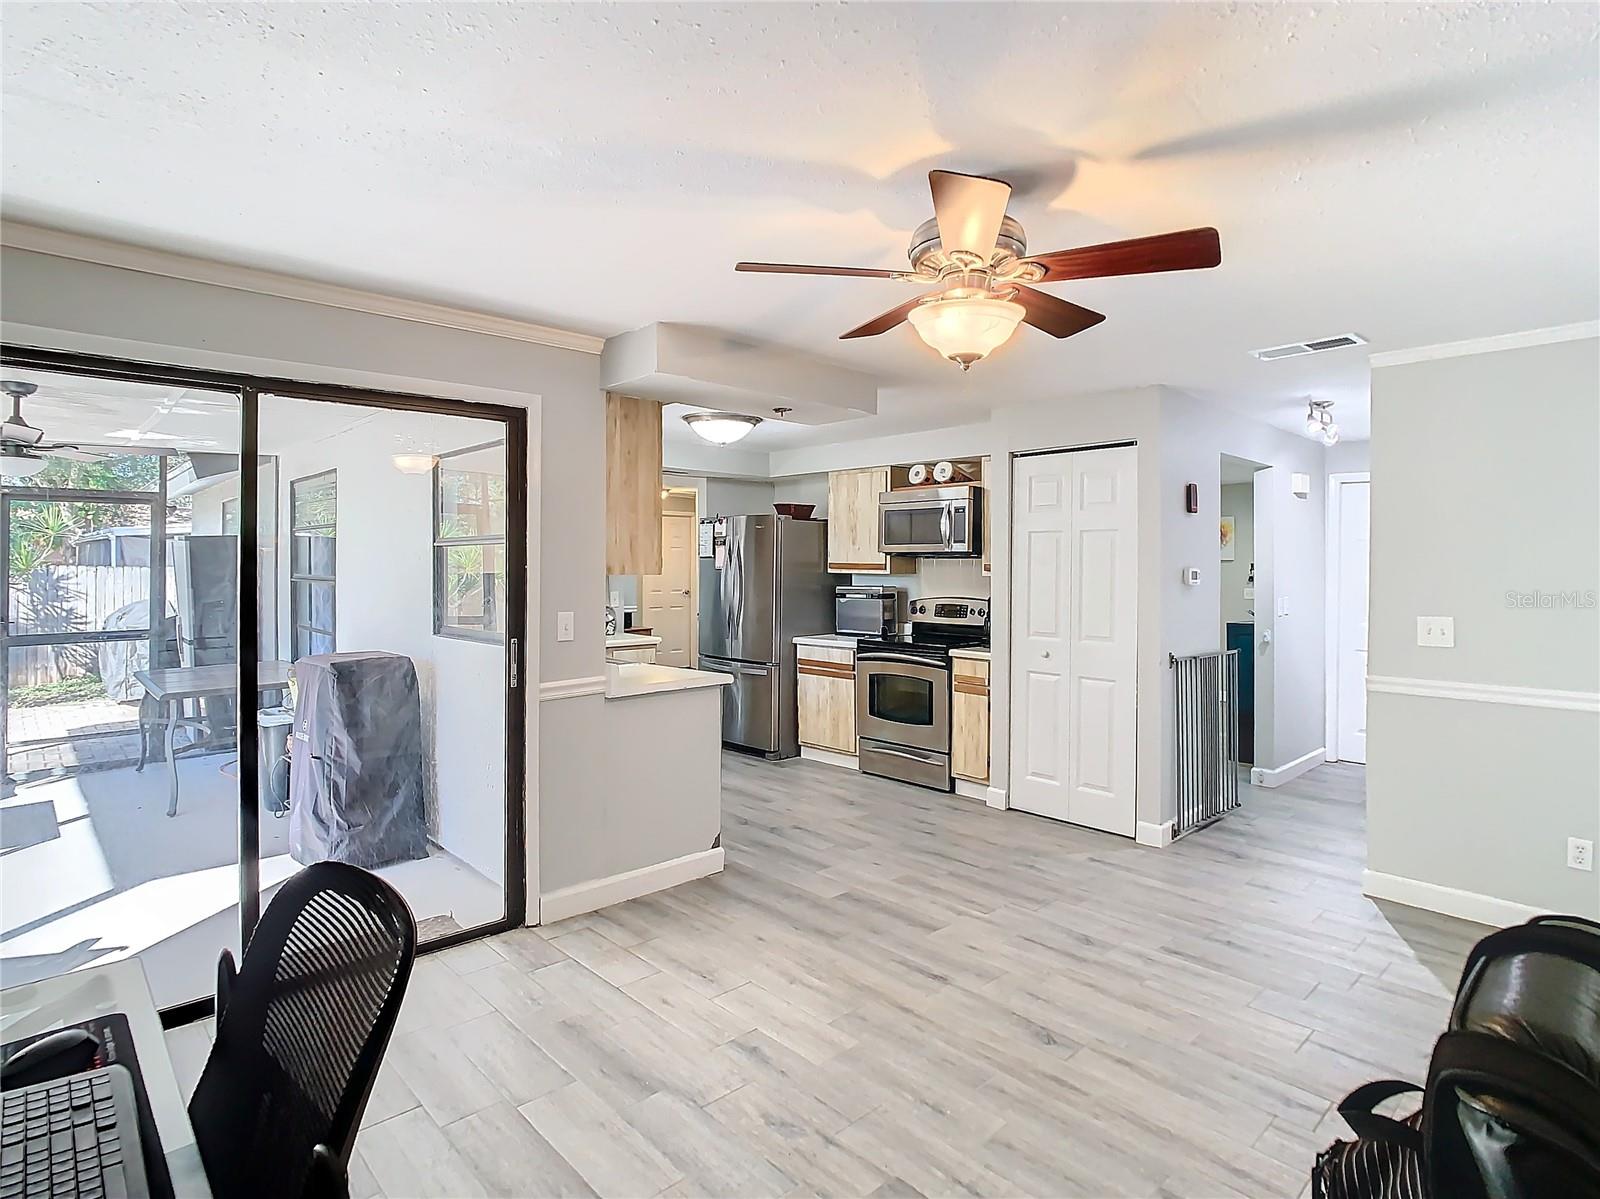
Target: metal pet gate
1207,706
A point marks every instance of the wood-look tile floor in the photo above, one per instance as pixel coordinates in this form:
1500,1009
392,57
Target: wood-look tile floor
893,992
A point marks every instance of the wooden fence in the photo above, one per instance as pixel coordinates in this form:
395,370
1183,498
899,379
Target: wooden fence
71,599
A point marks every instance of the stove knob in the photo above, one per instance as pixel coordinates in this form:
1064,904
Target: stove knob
981,612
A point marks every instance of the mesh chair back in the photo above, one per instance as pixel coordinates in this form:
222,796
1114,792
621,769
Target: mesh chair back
304,1031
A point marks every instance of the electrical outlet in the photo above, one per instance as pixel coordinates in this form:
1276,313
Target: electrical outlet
1437,632
1580,853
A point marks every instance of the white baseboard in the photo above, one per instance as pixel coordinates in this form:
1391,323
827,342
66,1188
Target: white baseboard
619,888
830,757
1290,771
1431,897
1158,835
970,790
997,798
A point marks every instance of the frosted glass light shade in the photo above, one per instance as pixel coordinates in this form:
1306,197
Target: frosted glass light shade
966,330
721,428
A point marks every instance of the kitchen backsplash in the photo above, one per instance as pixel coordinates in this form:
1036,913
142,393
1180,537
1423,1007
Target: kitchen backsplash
936,576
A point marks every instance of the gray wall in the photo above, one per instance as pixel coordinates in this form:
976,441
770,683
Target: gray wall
66,304
1239,502
737,497
1485,482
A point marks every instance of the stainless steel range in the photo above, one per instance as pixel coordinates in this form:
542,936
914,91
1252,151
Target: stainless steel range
903,691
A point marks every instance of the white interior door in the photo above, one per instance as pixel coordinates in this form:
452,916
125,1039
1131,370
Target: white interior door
1074,647
669,596
1354,499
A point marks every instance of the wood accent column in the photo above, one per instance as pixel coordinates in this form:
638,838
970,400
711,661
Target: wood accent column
633,486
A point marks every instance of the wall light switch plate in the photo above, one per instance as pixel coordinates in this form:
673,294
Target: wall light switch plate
1283,605
563,626
1580,853
1436,632
616,599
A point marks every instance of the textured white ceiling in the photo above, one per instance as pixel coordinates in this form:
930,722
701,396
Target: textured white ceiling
1414,173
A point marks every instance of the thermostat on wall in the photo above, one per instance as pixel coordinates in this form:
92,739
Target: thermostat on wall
1191,576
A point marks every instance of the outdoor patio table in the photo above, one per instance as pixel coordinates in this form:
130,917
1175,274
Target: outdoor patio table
170,688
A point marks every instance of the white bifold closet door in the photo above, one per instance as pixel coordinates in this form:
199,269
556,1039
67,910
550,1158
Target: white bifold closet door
1074,610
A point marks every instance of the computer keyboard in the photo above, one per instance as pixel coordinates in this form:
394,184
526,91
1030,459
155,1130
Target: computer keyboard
77,1135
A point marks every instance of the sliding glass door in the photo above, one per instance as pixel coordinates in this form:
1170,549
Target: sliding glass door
250,625
119,816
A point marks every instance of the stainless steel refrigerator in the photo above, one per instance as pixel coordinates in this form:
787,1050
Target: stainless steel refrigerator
772,585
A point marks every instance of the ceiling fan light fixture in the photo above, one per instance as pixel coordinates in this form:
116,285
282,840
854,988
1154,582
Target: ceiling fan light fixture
966,329
721,428
19,464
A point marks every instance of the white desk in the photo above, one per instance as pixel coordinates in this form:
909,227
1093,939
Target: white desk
100,991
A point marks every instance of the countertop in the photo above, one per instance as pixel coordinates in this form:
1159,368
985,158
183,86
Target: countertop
831,640
631,641
624,680
980,655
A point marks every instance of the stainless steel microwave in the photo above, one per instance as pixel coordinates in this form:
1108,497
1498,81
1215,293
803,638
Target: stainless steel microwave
942,521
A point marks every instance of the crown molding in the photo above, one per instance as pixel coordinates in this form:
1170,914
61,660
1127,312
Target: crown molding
60,244
1488,345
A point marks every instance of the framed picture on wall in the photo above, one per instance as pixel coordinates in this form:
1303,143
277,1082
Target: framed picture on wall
1227,539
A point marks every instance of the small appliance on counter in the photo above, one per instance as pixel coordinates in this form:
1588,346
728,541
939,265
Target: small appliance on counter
903,691
867,611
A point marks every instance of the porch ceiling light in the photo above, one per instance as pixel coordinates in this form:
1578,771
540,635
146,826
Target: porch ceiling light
414,464
17,463
966,329
721,428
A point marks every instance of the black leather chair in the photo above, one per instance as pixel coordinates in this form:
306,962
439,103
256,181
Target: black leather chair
301,1030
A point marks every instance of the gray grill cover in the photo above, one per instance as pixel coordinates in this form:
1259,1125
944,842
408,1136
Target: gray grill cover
356,769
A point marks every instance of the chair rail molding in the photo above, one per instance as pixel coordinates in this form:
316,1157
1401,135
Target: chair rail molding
1485,693
61,244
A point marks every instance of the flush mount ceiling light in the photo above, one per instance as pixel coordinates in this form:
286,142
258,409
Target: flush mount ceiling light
978,258
1319,421
721,428
414,464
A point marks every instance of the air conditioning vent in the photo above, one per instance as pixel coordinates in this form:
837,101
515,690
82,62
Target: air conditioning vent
1296,349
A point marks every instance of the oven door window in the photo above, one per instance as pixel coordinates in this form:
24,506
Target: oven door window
900,698
912,526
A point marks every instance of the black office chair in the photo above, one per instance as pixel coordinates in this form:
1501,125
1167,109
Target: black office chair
301,1031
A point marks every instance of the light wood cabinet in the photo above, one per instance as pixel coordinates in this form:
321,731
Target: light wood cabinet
853,524
969,719
826,695
633,486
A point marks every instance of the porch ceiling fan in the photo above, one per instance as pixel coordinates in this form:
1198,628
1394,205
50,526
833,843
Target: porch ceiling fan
978,258
24,452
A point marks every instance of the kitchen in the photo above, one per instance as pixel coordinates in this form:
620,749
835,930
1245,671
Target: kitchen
854,630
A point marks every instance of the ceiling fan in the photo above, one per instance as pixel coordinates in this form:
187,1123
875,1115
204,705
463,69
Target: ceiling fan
23,450
978,257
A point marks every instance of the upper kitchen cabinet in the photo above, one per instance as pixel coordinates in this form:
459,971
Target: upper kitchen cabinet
633,486
853,524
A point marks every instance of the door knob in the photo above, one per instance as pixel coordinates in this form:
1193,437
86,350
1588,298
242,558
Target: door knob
1045,654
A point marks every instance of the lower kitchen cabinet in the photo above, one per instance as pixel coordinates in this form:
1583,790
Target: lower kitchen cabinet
826,695
969,719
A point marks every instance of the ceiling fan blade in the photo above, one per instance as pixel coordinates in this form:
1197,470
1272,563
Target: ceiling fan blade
969,209
885,321
1054,315
72,453
1190,250
788,268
